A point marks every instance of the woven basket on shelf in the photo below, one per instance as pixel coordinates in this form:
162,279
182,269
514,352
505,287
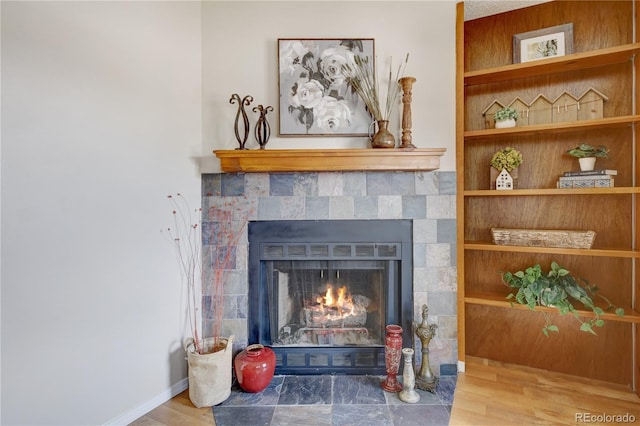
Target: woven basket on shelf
543,238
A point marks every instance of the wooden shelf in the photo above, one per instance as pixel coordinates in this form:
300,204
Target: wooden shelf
553,128
329,160
500,301
488,246
576,61
550,191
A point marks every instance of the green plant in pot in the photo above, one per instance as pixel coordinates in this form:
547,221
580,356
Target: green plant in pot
505,117
558,289
587,154
507,158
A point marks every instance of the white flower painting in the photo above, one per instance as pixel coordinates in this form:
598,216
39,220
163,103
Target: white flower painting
316,98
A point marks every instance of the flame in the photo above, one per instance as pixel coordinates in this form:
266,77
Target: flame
339,302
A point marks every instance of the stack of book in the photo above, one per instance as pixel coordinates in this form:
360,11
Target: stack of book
602,178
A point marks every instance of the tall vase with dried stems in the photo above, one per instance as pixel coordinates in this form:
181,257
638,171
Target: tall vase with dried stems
364,81
209,359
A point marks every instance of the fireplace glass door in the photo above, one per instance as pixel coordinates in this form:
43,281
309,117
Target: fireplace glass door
327,302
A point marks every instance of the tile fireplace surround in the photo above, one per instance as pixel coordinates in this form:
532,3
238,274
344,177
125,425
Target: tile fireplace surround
425,197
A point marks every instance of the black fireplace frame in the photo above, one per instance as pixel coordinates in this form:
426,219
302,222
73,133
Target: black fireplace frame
320,359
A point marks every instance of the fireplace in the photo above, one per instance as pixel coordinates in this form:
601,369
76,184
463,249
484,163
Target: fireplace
321,292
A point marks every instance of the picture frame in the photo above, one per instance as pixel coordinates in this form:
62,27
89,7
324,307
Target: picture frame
542,44
315,97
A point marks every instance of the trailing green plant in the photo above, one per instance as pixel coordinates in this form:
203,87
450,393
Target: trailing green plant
505,113
559,289
584,150
507,158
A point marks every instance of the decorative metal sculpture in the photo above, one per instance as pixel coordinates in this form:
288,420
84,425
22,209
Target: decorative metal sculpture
246,101
263,129
425,379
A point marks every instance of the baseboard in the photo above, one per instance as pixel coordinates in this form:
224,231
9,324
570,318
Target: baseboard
141,410
461,366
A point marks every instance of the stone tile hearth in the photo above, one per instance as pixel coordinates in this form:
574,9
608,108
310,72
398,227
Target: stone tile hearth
334,400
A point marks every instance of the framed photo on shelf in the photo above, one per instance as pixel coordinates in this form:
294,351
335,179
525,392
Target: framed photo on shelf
544,43
316,98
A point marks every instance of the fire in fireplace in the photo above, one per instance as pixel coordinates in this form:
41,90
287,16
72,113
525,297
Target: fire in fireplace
322,292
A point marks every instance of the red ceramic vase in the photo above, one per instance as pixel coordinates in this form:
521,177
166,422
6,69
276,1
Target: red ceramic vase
254,367
392,357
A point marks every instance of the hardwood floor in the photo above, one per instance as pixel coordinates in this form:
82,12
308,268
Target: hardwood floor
177,411
488,393
494,393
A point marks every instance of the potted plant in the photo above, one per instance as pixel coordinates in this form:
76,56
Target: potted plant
505,117
364,81
558,289
209,358
508,159
587,154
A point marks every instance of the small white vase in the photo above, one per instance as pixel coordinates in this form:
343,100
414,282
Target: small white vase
408,392
587,163
503,124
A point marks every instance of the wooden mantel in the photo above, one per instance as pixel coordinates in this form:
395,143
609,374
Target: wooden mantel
329,160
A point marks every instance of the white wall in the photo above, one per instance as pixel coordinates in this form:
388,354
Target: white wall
239,55
101,115
107,107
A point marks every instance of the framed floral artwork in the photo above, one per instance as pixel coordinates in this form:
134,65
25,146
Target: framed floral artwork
316,98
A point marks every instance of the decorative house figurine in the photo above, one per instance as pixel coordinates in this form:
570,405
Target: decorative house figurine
565,108
540,110
488,113
504,181
523,109
591,105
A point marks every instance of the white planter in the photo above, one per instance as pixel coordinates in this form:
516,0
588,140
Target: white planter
587,163
503,124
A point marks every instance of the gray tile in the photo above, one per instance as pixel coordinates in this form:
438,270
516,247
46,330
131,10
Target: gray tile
397,183
357,390
269,396
446,230
446,388
305,184
365,207
355,184
281,184
361,415
419,415
448,370
269,208
414,207
317,207
316,415
211,184
447,182
243,415
306,390
232,184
